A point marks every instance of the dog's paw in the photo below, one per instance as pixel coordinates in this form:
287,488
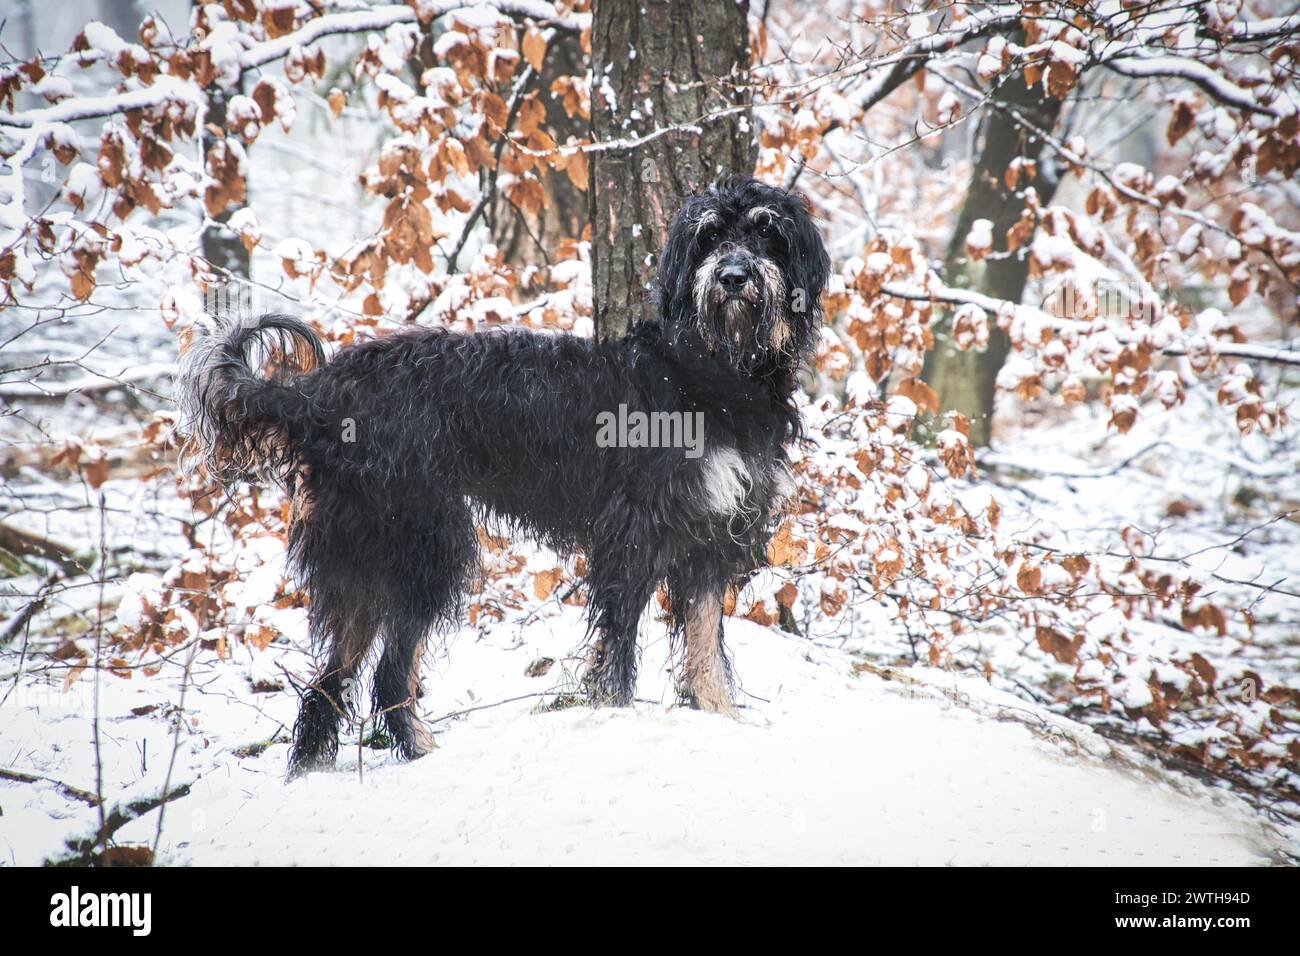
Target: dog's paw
420,744
712,701
301,766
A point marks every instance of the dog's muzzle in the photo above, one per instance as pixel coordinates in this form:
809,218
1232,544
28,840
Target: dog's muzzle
728,298
733,276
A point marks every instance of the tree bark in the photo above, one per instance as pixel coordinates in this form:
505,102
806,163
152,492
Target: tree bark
965,381
659,64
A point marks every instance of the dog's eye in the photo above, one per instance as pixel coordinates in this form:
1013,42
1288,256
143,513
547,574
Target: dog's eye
713,237
765,230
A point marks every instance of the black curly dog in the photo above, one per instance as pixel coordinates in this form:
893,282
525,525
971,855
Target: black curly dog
395,449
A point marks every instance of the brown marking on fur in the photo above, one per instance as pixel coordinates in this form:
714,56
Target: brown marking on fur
300,505
268,443
352,641
705,675
780,334
223,463
192,450
422,741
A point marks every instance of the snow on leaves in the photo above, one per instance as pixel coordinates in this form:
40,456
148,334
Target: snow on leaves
464,117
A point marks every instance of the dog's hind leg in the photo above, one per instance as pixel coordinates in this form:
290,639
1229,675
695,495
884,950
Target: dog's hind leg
346,622
397,684
350,597
439,552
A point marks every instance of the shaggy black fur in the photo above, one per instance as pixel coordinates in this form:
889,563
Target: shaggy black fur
449,429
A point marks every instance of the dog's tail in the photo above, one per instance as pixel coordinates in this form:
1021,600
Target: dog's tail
240,414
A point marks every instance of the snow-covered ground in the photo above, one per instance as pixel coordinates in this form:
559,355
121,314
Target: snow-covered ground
830,763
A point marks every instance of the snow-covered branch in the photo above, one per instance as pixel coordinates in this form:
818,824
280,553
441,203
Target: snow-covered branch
951,296
1193,71
1270,28
915,55
380,18
164,88
1242,350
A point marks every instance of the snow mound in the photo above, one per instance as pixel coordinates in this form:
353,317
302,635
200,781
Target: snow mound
835,769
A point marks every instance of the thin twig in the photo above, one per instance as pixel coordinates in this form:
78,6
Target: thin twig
99,638
508,700
85,796
176,743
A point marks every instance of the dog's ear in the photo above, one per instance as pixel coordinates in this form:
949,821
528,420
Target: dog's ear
809,265
673,282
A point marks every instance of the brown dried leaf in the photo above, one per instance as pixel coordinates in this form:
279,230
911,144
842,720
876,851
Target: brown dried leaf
1064,649
545,582
576,170
1205,670
922,394
786,550
534,46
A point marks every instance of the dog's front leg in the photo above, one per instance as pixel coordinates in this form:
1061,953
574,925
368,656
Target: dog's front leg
611,679
704,677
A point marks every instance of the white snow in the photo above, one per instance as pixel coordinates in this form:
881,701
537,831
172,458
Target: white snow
449,41
1065,53
980,237
102,37
879,263
294,249
824,766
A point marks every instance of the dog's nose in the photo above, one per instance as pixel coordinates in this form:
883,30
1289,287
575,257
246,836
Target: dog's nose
732,277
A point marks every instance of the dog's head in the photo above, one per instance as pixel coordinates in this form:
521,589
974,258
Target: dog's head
744,268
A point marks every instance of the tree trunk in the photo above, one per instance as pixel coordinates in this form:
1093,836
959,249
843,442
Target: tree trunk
657,64
965,381
531,239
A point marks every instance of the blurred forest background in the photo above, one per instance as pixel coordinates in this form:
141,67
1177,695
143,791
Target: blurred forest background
1049,433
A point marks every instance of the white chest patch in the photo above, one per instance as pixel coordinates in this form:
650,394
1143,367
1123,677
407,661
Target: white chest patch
726,481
